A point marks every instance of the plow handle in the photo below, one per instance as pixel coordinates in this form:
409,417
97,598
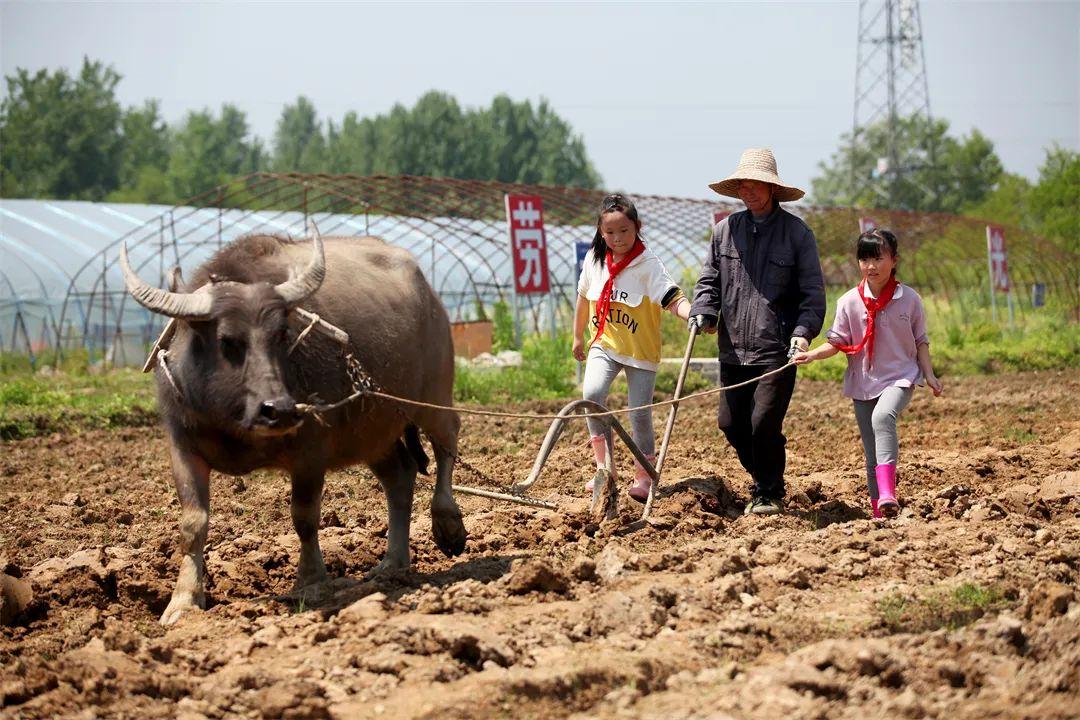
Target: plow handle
671,416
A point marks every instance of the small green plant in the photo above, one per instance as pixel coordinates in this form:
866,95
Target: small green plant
480,311
976,596
1020,435
939,608
502,332
892,609
954,335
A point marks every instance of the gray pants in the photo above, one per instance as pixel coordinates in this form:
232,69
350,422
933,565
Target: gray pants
600,372
877,426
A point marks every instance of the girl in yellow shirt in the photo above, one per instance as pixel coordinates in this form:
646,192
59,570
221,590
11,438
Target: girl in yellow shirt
621,292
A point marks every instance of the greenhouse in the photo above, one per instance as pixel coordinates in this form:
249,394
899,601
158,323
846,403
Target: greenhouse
61,286
61,289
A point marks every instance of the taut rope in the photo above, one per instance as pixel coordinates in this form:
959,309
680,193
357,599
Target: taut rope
306,408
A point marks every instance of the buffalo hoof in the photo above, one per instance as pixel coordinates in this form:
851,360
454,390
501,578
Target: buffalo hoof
449,532
311,570
387,566
179,605
308,580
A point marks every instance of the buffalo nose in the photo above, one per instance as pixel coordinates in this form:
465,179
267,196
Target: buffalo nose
281,411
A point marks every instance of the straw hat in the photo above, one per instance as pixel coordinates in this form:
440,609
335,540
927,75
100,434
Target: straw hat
757,164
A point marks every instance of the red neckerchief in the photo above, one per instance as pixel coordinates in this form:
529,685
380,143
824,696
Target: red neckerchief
873,307
603,304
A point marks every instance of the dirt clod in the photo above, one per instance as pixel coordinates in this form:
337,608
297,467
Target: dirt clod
535,575
965,607
15,596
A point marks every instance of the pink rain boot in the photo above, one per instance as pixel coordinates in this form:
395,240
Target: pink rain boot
599,445
639,490
873,506
886,485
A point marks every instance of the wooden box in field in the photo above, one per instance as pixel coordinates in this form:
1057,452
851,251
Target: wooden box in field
471,338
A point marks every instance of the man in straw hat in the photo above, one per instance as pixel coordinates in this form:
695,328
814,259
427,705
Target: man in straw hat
761,291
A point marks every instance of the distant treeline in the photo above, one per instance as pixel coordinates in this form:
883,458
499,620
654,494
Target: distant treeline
67,137
963,176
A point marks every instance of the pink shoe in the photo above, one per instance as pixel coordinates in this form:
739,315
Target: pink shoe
886,484
639,489
599,444
873,506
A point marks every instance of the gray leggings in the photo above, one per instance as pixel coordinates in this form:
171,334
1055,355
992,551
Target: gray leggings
600,371
877,426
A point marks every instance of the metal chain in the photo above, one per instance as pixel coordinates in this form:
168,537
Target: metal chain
361,381
363,384
492,482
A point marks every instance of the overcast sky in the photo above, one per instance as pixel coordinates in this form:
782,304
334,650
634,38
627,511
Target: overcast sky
666,96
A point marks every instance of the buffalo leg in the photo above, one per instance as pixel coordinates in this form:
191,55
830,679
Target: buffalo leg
397,475
306,504
191,475
446,525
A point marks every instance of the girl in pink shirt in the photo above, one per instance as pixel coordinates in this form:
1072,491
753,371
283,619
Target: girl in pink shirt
881,326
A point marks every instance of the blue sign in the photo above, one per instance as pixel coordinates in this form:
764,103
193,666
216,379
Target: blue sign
1038,295
582,249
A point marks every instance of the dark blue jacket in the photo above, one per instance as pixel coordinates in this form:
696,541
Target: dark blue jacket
762,283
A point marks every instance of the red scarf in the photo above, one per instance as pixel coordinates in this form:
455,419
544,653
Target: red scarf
873,307
603,304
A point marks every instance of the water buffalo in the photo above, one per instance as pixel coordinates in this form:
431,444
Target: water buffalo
229,387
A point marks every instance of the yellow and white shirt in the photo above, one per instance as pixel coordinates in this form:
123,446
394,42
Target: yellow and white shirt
639,295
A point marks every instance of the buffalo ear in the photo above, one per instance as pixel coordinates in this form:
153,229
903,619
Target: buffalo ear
176,280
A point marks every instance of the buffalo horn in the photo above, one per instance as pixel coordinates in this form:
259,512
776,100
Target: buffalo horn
186,306
294,291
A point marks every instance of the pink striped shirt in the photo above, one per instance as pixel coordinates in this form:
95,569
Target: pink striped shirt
898,331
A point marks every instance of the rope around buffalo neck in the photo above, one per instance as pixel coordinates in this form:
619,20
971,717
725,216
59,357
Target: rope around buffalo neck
162,362
371,392
315,320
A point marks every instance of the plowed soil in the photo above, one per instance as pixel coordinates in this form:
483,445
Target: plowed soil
965,606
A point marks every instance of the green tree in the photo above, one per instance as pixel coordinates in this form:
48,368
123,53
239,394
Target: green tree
533,146
1047,208
208,151
144,156
1055,199
509,141
60,134
352,148
946,174
299,145
436,126
1008,204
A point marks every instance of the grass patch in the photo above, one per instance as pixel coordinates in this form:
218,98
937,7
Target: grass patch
546,372
667,377
1020,435
981,348
78,397
33,405
939,608
964,340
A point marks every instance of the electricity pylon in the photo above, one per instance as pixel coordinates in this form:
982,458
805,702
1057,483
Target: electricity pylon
890,84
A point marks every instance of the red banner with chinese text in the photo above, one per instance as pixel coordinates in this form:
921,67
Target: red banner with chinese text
528,246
